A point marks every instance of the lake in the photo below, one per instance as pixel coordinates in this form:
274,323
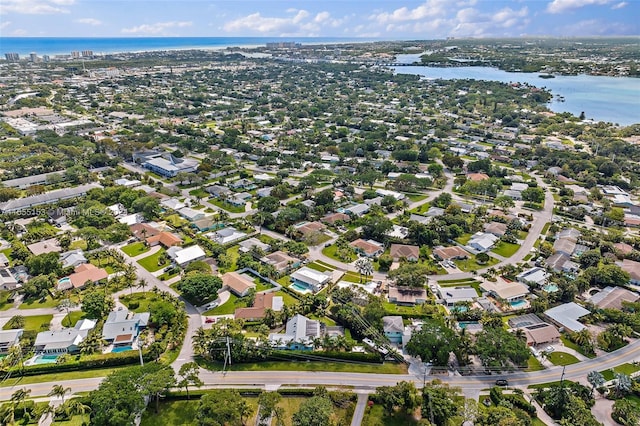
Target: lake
612,99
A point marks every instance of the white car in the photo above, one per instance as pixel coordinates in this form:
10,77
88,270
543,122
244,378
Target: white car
549,349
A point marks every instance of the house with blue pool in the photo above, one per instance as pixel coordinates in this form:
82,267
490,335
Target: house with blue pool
309,279
63,341
121,329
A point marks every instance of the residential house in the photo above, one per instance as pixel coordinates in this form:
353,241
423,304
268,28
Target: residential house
121,328
400,232
477,177
237,284
9,338
508,291
403,251
184,256
7,281
613,297
127,183
264,192
357,210
218,191
368,248
190,214
280,261
560,262
567,315
393,328
239,199
496,228
407,295
434,211
172,204
204,224
142,231
117,210
46,246
482,241
453,295
513,194
332,218
300,334
385,192
247,245
261,303
309,228
420,219
72,258
448,253
85,273
131,219
242,184
165,239
227,235
535,276
310,279
541,334
39,179
632,268
57,217
566,241
63,341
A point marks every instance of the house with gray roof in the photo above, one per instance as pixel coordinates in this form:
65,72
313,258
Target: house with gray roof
9,338
50,197
122,327
72,258
567,316
63,341
299,334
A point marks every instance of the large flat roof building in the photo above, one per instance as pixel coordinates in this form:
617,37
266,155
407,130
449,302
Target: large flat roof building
47,198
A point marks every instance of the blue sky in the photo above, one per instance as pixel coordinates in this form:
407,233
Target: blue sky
395,19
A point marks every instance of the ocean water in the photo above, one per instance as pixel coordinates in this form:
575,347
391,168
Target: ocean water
65,45
610,99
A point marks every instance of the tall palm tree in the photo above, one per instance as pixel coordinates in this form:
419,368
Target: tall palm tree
19,396
595,379
59,391
622,384
364,267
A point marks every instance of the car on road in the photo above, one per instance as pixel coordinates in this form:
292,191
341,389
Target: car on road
502,382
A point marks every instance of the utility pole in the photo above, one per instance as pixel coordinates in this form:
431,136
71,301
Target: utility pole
140,354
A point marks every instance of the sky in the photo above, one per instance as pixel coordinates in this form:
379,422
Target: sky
384,19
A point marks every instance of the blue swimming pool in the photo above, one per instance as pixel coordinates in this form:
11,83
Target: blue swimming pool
465,324
550,288
121,349
45,359
517,304
300,288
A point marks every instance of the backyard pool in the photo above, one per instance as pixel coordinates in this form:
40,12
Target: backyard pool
300,288
465,324
65,280
121,349
550,288
518,304
45,359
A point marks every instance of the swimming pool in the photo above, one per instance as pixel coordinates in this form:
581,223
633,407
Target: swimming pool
45,359
518,304
65,280
300,288
121,349
550,288
464,324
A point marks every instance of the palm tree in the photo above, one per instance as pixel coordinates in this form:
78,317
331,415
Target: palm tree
18,397
595,379
59,390
130,275
364,267
622,384
77,408
142,283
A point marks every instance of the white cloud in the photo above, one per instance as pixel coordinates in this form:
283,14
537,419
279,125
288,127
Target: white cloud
619,5
301,23
19,32
560,6
159,28
598,27
35,7
4,25
430,9
89,21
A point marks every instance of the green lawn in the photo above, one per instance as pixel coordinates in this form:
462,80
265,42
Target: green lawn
7,252
352,277
135,249
505,249
229,307
463,239
174,413
199,193
59,377
78,244
74,421
534,365
49,302
35,322
227,206
331,252
386,368
626,368
150,263
318,267
4,300
326,265
233,253
142,298
562,358
449,283
167,276
291,404
470,264
568,343
375,416
288,299
176,221
72,318
415,197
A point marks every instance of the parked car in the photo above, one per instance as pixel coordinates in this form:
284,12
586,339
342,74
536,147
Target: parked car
502,382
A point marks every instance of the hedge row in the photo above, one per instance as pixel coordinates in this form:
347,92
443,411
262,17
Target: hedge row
348,356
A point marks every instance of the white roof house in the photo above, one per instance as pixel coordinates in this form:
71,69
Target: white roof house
452,295
7,281
537,276
131,219
190,214
482,241
73,258
9,338
227,235
122,327
184,256
173,204
310,278
567,316
66,340
127,183
299,334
